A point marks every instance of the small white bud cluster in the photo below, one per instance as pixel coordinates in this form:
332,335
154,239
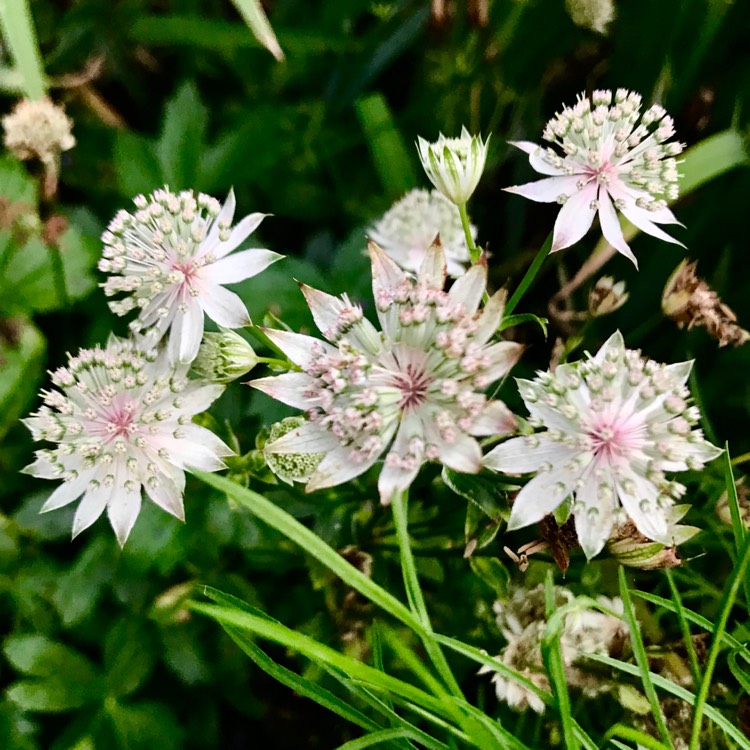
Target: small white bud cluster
38,129
224,357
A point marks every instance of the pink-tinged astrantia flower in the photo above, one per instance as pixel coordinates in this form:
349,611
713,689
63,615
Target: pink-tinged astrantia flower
171,259
409,227
616,423
413,392
122,421
610,161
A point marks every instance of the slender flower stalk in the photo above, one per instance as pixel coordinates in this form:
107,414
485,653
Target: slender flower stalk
171,260
413,392
121,418
610,159
615,423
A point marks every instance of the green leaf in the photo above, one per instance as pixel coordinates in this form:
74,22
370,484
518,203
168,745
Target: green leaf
129,656
63,678
633,735
144,726
19,35
393,162
521,318
378,738
481,489
181,142
22,352
256,19
492,572
18,186
137,167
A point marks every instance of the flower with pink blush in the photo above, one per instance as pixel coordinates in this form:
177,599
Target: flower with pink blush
615,424
413,393
121,418
171,259
611,159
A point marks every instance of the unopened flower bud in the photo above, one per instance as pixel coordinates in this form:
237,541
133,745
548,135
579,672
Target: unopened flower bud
290,467
38,129
454,165
224,357
607,296
633,549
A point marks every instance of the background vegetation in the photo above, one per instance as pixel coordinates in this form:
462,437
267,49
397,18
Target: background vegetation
98,650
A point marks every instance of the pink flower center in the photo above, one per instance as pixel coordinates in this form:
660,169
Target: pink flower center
120,420
413,382
615,438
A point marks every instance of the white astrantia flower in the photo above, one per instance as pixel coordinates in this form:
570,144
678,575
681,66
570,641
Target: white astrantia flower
171,260
522,620
616,423
454,165
410,226
609,162
413,392
121,417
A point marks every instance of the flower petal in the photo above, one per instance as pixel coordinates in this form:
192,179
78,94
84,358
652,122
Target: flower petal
503,355
223,307
594,523
642,508
186,334
239,234
403,462
462,454
289,388
67,492
642,219
496,419
611,228
309,437
547,190
168,496
575,217
522,455
224,218
541,496
337,468
92,505
239,266
469,288
536,158
196,398
433,269
299,348
325,309
491,317
123,510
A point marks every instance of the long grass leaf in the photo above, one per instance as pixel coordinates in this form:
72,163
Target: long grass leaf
17,27
254,16
695,669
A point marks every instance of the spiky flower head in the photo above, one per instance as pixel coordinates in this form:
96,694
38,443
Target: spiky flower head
615,424
596,15
170,259
224,357
121,419
409,227
413,392
606,296
522,620
38,129
290,467
454,165
629,547
609,158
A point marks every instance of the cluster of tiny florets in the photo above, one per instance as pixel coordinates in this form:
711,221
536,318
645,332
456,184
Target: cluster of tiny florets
38,129
606,128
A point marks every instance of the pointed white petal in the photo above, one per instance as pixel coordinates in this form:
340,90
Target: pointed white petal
394,477
594,523
520,455
325,308
641,506
433,269
239,266
385,273
336,468
239,234
496,419
223,307
42,468
469,288
503,355
462,454
644,221
92,505
299,348
206,439
547,190
536,158
67,492
680,371
611,228
491,317
225,216
289,388
540,497
575,218
614,343
196,398
186,334
307,438
168,496
122,510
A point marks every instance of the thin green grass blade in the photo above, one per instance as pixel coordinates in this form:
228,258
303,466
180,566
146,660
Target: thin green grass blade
290,527
377,738
739,675
415,665
672,688
730,594
641,659
555,667
633,735
695,669
738,527
254,16
17,27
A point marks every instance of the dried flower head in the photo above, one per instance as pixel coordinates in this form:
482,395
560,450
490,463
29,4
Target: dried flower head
38,129
606,296
629,547
724,511
171,260
596,15
413,392
409,227
522,621
224,357
121,418
290,467
690,302
615,423
611,159
454,165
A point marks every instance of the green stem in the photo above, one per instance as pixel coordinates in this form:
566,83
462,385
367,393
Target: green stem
529,276
695,669
742,459
414,595
278,362
58,271
18,33
474,251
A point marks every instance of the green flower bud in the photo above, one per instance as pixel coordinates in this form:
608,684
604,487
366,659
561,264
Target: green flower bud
290,467
224,357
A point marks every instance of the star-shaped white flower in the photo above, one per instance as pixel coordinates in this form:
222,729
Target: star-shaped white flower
615,423
609,162
171,260
413,392
122,421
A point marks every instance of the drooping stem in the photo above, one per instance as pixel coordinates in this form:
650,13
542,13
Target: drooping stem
474,251
58,272
529,276
414,592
